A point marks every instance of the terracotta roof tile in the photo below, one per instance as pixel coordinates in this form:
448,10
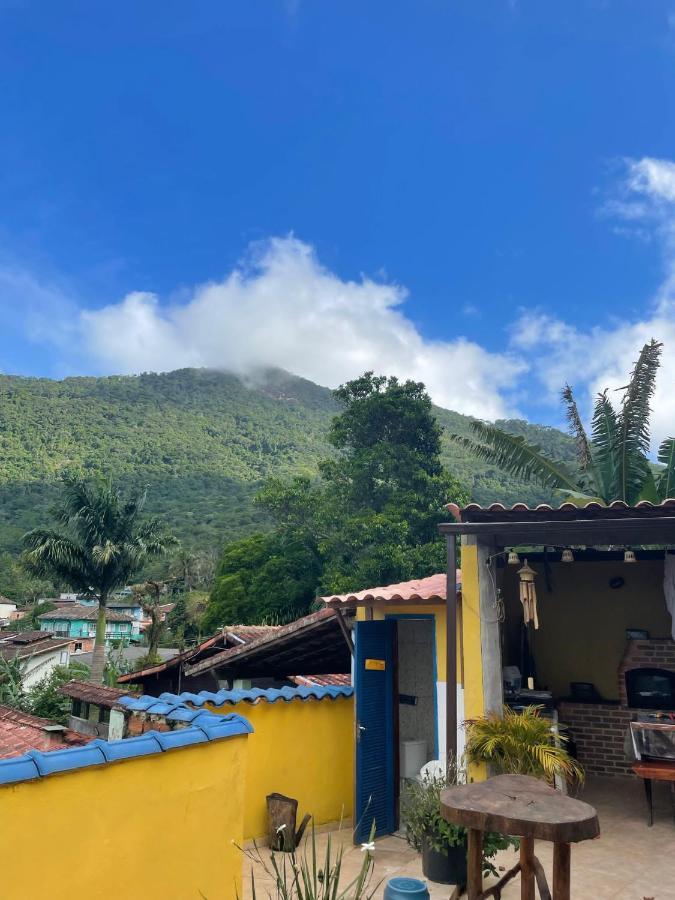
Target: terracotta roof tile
434,587
20,732
474,512
100,694
86,613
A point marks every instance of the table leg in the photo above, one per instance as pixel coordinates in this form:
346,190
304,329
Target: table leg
526,868
561,871
474,885
672,794
650,802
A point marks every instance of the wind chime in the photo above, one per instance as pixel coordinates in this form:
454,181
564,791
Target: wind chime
528,594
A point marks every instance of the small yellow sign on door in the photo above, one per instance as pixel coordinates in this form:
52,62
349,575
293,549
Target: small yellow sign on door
379,665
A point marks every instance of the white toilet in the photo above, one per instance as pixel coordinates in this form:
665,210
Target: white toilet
413,757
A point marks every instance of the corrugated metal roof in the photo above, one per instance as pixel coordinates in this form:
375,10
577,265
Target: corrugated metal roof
234,635
433,588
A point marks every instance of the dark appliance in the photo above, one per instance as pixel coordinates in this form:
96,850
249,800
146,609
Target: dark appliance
650,688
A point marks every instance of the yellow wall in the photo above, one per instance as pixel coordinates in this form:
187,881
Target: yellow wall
301,748
471,638
152,828
582,623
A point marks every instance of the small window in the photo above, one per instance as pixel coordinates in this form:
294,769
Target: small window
78,646
77,709
103,715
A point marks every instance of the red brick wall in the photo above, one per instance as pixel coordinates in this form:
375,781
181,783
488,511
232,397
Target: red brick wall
653,653
599,729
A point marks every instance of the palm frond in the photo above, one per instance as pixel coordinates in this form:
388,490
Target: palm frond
665,484
605,431
633,421
583,446
512,453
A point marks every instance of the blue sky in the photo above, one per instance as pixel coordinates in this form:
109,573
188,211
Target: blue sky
480,194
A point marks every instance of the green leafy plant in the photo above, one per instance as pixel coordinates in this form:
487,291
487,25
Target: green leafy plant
612,463
521,743
306,875
45,699
424,824
11,682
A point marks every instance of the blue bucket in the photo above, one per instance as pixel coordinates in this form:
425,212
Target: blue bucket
406,889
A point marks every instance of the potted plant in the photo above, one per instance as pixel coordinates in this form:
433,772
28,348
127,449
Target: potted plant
442,844
521,743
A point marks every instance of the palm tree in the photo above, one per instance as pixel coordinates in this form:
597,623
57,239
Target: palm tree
102,542
612,463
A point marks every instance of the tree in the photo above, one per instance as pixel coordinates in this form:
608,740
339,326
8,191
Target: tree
371,518
11,682
383,496
612,464
45,699
149,595
267,577
181,622
102,541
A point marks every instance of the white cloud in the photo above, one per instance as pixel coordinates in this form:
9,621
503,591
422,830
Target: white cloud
283,308
603,356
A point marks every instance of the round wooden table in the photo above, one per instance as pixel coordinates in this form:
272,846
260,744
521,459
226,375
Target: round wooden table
529,809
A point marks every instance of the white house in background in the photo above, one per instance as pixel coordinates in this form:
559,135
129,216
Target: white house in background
39,653
6,610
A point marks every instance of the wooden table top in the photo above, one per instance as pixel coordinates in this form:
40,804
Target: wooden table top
520,805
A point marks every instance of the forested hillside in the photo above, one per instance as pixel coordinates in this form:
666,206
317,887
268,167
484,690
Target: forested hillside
201,441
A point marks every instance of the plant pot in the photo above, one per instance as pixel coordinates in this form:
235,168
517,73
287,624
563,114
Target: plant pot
444,868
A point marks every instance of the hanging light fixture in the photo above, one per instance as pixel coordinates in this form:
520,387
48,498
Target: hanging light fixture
629,556
567,556
514,559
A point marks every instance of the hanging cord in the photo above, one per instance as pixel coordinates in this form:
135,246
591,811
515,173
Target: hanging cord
497,594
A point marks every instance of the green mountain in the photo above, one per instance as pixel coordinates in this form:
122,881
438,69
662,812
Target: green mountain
200,441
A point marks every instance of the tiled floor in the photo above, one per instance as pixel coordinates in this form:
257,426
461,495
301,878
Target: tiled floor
628,862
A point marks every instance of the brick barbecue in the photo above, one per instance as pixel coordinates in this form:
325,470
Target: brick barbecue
599,729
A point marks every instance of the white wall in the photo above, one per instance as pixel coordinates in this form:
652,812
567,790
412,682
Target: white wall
38,666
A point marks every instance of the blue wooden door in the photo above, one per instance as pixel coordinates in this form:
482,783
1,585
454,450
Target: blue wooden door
374,688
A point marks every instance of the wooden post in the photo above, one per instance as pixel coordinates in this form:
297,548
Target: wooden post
561,871
491,651
474,864
451,652
526,868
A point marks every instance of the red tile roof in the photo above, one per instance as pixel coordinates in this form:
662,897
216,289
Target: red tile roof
100,694
85,613
433,588
20,732
322,680
474,512
27,643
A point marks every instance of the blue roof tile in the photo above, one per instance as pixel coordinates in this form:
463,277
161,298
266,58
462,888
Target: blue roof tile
318,692
64,760
36,764
18,768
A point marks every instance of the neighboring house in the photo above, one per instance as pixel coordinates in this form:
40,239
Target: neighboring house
78,623
169,674
7,610
246,656
20,732
93,709
39,653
